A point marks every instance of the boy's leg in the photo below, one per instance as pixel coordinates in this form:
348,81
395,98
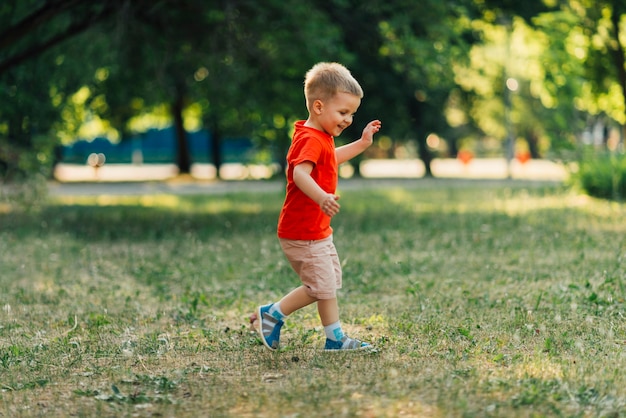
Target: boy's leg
336,340
329,314
328,310
296,299
270,317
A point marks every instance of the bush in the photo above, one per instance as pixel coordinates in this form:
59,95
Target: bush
603,175
18,162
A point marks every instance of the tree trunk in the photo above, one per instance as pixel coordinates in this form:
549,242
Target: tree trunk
183,158
216,147
422,148
533,141
453,147
618,57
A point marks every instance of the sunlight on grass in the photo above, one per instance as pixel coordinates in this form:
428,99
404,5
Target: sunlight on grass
539,368
163,201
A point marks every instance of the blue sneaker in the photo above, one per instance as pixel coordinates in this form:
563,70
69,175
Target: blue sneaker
268,327
345,344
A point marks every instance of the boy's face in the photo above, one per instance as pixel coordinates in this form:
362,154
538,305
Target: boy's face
334,115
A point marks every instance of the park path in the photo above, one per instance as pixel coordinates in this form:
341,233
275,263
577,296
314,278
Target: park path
162,179
194,187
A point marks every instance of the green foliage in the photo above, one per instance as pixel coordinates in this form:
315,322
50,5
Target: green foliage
236,68
603,175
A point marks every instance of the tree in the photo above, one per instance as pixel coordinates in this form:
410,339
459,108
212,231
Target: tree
31,31
403,53
282,40
227,61
237,64
32,28
602,53
37,76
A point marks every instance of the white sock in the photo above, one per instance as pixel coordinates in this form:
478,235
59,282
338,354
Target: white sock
276,312
334,331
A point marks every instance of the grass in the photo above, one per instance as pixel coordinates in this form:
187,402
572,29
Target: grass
482,299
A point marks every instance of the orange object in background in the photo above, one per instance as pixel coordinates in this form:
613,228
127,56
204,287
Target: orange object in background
523,157
465,156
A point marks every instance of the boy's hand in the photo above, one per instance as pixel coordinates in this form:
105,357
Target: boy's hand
329,205
369,131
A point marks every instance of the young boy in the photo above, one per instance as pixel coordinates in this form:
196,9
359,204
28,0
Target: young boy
332,98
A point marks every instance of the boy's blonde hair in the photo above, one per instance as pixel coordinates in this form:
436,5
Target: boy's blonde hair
326,79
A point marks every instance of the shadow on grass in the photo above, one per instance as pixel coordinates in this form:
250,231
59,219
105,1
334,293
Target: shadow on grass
137,222
205,217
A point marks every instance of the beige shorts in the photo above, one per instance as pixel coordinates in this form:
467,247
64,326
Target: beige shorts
317,264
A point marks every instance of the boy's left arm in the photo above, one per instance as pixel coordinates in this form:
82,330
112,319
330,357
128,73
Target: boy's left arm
351,150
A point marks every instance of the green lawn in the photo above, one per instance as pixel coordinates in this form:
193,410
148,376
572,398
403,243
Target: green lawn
482,299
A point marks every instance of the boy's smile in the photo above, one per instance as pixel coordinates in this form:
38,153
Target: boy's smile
335,114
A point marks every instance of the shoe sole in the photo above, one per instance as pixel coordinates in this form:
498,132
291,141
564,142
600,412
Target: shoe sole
353,350
259,328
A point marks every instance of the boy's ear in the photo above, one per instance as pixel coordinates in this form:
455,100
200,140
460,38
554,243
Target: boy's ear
318,105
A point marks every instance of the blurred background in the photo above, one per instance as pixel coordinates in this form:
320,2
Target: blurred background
123,90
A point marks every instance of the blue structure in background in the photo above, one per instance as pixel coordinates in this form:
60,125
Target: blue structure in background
158,147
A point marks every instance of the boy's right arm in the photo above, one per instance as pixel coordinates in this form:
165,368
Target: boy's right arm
302,177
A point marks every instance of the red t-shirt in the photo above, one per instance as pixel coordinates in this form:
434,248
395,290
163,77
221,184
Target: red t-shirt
301,218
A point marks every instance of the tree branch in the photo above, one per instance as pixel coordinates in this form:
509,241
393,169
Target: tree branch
46,13
37,49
